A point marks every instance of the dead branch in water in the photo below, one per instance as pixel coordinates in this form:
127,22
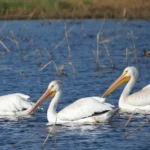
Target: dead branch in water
82,28
59,43
6,48
1,29
44,66
10,69
127,57
51,61
69,55
134,47
50,56
61,68
32,136
97,51
35,52
66,37
108,53
13,39
51,131
26,140
128,121
59,71
138,128
131,116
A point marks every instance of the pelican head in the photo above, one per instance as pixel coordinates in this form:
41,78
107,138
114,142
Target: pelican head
127,75
53,87
51,91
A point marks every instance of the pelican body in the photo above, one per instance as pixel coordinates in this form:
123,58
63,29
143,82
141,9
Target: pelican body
138,102
16,104
83,111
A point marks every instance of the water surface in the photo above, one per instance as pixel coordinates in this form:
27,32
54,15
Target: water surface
19,72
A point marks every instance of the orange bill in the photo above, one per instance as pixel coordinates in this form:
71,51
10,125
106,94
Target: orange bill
48,93
122,79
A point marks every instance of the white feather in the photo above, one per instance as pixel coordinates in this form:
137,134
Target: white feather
83,111
136,102
146,87
83,108
139,98
13,104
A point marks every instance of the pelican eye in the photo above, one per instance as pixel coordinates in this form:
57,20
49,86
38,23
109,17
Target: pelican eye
51,87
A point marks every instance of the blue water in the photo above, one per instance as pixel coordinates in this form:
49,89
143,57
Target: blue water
19,72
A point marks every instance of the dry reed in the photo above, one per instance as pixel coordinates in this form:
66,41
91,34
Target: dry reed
5,47
97,51
134,48
108,53
137,128
48,135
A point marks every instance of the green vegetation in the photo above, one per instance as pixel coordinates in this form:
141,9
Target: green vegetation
35,9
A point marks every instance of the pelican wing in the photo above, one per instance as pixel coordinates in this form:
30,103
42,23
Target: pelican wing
140,98
84,108
14,103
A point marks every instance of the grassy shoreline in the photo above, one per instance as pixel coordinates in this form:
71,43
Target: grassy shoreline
74,9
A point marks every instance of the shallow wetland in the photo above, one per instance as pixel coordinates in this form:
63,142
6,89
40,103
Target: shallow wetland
87,56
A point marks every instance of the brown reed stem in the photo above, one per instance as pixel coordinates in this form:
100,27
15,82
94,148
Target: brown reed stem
10,69
82,28
51,61
74,70
61,68
128,121
97,51
138,128
33,53
134,47
48,53
52,130
108,53
66,37
14,39
127,57
6,48
57,45
1,29
26,140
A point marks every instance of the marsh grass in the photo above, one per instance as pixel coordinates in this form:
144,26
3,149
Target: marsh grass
31,9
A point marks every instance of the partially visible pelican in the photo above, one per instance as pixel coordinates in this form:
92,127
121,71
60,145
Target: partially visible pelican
16,104
87,110
137,102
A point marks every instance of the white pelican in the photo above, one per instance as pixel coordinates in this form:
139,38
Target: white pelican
83,111
16,104
138,102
